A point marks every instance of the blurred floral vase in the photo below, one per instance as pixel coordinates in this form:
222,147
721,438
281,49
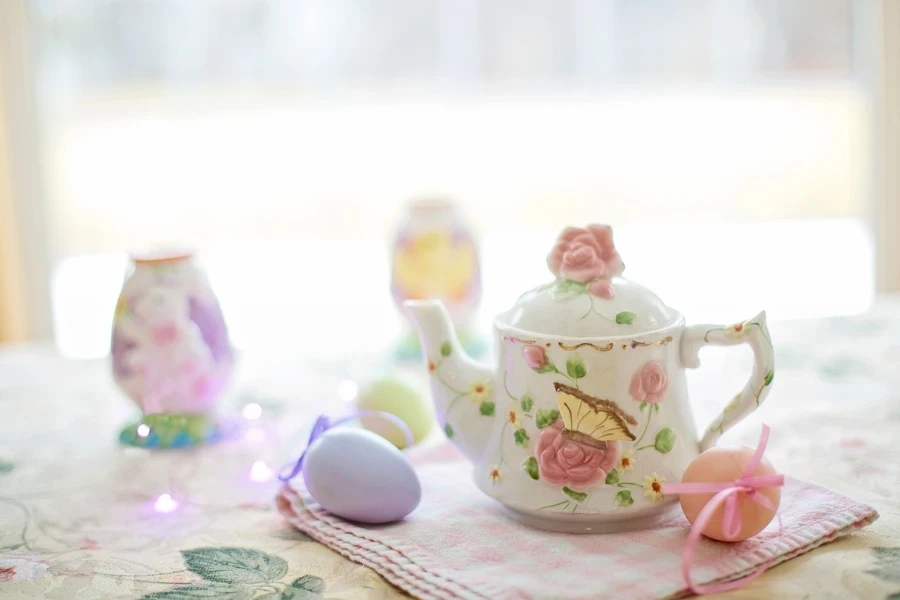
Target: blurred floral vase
435,255
170,352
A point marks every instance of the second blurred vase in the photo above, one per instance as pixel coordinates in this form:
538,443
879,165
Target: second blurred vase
435,256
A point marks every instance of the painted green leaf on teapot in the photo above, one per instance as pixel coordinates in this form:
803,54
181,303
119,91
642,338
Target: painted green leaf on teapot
530,466
526,402
575,366
545,417
625,318
624,499
612,477
486,409
565,287
521,437
665,440
574,495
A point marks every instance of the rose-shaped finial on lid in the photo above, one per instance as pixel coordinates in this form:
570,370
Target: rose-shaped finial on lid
589,298
586,256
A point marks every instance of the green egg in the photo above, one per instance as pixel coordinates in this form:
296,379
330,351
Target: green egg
401,397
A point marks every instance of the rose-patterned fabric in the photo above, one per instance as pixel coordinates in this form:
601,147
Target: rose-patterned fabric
76,517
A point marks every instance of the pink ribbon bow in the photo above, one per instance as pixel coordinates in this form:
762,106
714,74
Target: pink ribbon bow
726,493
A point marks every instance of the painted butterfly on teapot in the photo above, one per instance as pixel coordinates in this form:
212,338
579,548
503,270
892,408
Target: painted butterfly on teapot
586,413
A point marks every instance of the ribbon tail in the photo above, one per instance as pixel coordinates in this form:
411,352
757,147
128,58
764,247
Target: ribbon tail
731,518
736,583
321,425
693,539
756,458
294,471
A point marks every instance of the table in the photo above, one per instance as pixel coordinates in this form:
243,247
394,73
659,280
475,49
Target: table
77,510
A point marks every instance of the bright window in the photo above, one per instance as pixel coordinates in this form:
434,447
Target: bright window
727,142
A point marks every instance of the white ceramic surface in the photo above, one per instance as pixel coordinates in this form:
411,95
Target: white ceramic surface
587,411
547,309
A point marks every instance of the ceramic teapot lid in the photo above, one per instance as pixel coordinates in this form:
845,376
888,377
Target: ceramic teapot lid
588,298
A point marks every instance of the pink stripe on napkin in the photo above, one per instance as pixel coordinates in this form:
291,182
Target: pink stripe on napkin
460,544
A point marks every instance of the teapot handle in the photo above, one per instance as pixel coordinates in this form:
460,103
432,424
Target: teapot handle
755,334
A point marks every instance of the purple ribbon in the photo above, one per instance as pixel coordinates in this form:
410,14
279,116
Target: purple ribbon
323,424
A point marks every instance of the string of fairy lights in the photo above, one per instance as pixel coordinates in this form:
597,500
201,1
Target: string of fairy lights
260,472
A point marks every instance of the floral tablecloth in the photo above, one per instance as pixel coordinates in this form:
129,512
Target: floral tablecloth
77,517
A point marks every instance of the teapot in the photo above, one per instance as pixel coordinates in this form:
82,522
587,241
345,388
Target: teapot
586,413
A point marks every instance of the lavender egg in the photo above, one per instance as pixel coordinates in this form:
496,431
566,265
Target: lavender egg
360,476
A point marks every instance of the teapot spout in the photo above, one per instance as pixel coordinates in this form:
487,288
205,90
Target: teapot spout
462,389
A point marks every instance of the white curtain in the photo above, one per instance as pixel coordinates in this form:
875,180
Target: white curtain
24,251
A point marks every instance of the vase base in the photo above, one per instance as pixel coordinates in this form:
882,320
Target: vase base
592,524
164,430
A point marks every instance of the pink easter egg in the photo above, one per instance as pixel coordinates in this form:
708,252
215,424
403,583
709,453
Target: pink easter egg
725,465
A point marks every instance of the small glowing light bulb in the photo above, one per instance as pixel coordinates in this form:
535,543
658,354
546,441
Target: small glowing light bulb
143,430
261,472
165,504
252,411
347,390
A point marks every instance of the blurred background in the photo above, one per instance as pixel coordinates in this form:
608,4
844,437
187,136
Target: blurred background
741,149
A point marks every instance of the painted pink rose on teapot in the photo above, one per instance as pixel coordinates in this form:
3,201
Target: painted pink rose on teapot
584,254
565,462
536,357
649,383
